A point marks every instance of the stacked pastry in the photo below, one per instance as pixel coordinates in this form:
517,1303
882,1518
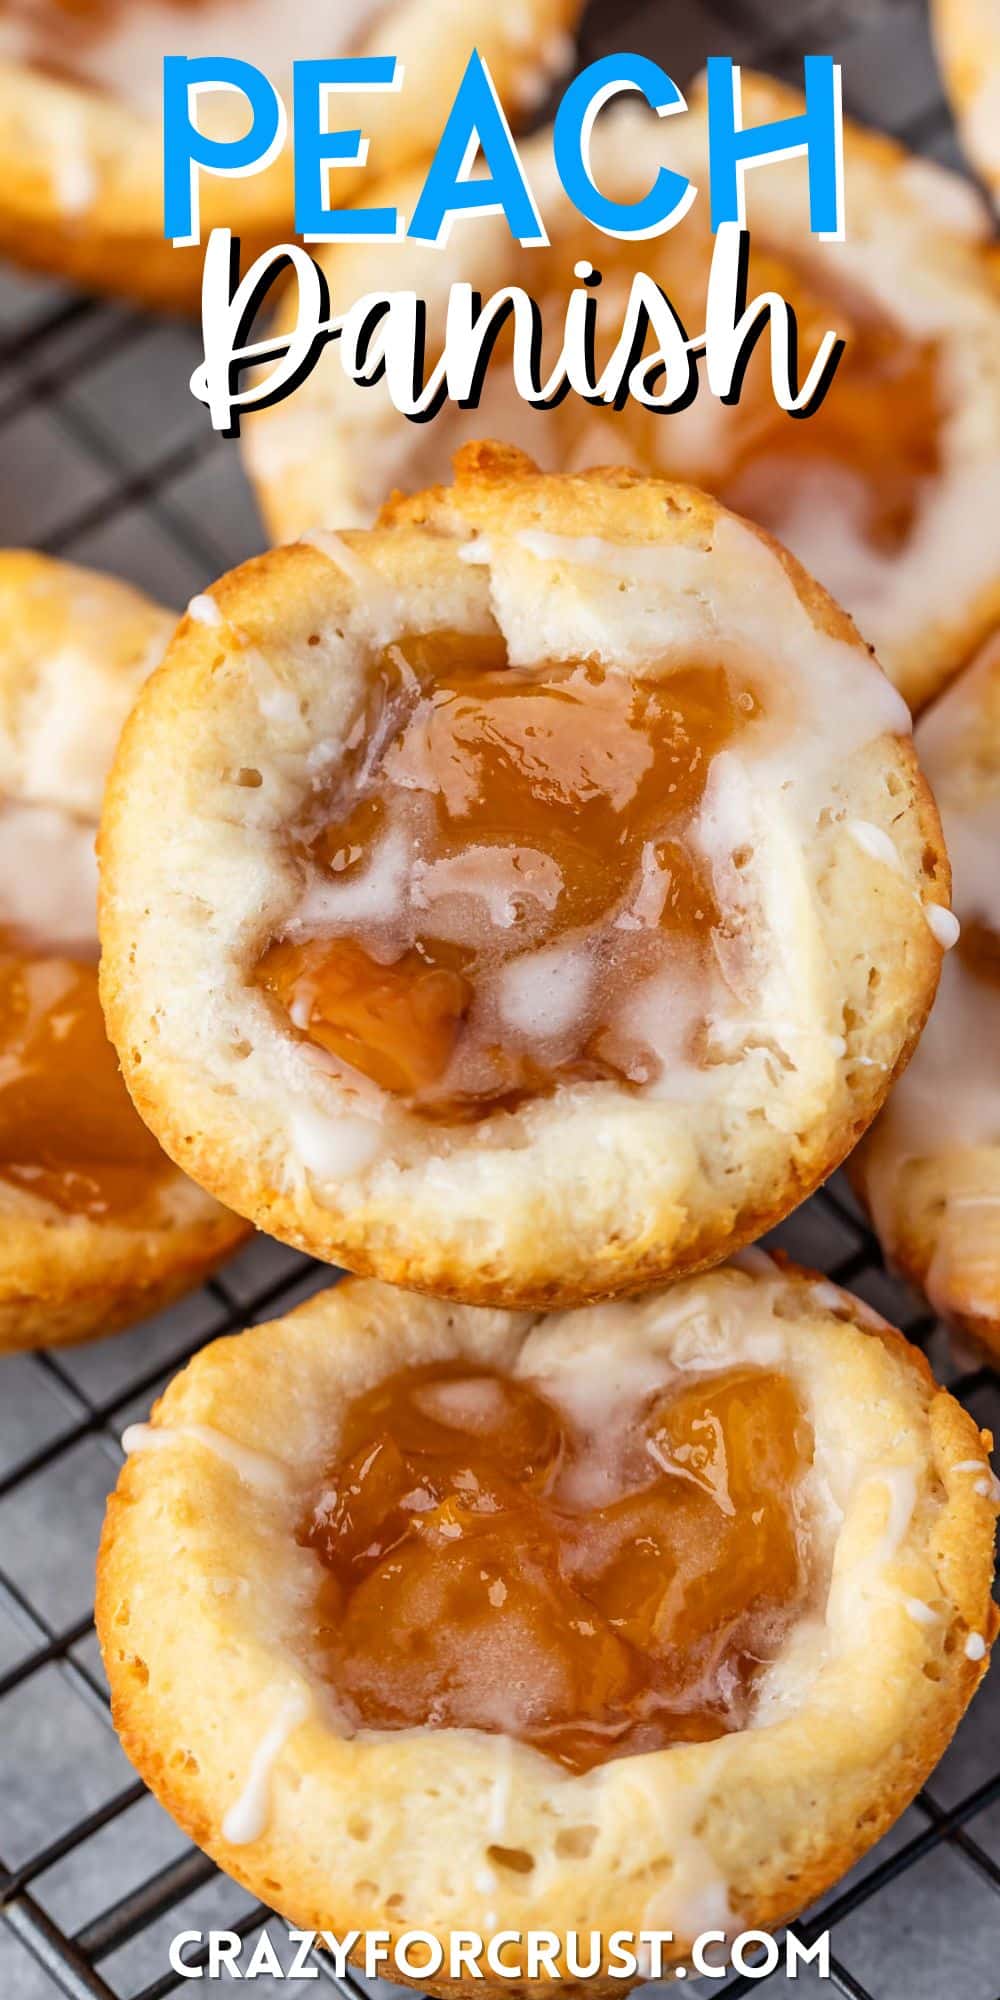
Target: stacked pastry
546,901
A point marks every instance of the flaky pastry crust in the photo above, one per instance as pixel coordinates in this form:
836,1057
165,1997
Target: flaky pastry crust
918,250
929,1169
593,1190
75,647
201,1609
81,170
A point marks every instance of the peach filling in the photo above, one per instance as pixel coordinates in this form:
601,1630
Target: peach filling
68,1132
510,864
490,1564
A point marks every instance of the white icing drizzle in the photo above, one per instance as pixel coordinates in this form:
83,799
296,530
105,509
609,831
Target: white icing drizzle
900,1482
247,1818
374,894
498,1799
981,120
332,1145
874,841
766,1028
256,1469
471,1404
821,513
828,1296
975,1646
752,1258
497,1810
376,597
76,184
592,1361
341,553
205,611
696,1897
942,924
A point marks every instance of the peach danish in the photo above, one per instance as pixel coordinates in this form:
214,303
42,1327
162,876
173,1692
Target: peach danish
967,34
81,143
888,493
514,924
930,1167
99,1229
648,1615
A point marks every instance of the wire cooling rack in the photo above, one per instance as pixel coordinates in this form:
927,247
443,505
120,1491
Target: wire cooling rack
107,460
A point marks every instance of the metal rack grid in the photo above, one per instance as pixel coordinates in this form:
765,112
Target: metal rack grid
107,460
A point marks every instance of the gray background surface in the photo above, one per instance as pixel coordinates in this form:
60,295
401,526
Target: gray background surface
106,459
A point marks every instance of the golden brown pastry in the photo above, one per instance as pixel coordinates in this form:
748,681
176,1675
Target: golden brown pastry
967,33
80,116
652,1615
888,494
930,1168
98,1229
515,923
